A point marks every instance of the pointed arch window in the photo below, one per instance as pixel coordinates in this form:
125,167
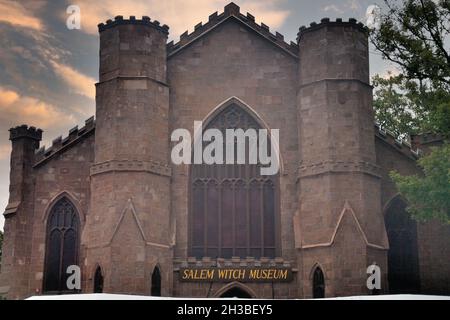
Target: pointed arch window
233,208
61,245
98,280
318,283
156,282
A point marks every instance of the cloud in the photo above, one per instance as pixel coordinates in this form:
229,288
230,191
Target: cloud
5,151
16,109
332,8
17,14
350,5
77,81
354,5
372,17
178,15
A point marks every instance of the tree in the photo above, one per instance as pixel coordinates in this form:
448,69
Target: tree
393,109
401,108
428,196
415,36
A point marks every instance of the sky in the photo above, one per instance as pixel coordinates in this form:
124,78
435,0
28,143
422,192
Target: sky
48,72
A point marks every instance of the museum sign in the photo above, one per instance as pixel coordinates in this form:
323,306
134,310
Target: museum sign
243,274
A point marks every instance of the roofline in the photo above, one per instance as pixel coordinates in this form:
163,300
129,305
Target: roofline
215,20
60,145
200,35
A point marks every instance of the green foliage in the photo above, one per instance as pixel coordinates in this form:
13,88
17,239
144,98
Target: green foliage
428,196
414,35
404,108
393,110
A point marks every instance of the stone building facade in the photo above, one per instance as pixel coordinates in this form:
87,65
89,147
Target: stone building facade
108,198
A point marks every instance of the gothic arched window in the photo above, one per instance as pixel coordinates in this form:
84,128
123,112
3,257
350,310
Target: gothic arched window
233,208
156,282
61,245
403,259
98,280
318,283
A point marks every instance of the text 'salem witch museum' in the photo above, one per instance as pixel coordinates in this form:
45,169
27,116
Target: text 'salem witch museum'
108,198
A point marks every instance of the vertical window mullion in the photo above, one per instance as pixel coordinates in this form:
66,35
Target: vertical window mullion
219,186
205,221
233,221
247,194
261,216
61,255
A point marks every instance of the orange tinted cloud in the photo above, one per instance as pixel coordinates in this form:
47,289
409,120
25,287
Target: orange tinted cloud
16,109
5,151
17,14
178,15
78,82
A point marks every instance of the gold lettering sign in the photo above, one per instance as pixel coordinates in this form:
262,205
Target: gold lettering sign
260,274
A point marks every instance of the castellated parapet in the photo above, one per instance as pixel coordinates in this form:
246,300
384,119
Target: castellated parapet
326,22
24,131
231,11
133,48
145,21
137,210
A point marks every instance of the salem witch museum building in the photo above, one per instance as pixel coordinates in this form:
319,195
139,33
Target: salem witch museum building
108,198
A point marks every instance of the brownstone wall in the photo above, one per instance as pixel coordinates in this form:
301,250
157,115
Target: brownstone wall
339,215
134,204
19,214
128,230
67,175
433,237
233,61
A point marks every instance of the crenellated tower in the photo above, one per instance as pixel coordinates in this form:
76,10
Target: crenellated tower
19,213
127,231
339,227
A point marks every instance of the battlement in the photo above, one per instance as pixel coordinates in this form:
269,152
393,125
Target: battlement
60,143
231,11
424,139
327,22
145,21
24,131
401,145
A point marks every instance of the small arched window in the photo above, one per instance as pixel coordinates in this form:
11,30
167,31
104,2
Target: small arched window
156,282
61,245
98,280
318,283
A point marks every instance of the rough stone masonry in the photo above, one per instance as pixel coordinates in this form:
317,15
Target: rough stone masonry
107,197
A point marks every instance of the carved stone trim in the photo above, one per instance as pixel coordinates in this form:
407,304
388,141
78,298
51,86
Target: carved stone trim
234,262
11,208
347,209
131,165
330,166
